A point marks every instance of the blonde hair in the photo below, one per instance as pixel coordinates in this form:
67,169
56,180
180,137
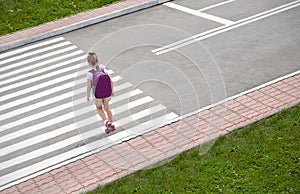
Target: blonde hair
92,59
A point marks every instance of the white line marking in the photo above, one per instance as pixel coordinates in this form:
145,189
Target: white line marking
199,14
186,39
126,95
32,107
45,93
67,116
222,29
37,58
43,76
38,78
8,179
8,54
32,141
63,130
37,116
139,115
123,86
146,127
44,84
41,94
216,5
38,86
72,140
124,135
64,158
42,113
240,94
131,105
11,76
34,52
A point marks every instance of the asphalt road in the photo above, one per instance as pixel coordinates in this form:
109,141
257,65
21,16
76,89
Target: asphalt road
205,71
167,61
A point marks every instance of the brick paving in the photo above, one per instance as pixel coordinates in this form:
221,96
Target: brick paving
147,149
73,22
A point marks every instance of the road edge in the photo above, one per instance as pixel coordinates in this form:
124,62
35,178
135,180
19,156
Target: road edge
74,22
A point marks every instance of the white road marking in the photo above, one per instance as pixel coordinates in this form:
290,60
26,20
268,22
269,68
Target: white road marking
38,78
38,86
34,52
69,128
45,93
60,160
32,141
66,63
131,105
240,94
53,90
22,63
37,116
42,113
147,126
11,77
44,76
139,115
216,5
170,46
32,107
41,85
199,14
67,116
222,29
123,86
21,50
72,140
126,95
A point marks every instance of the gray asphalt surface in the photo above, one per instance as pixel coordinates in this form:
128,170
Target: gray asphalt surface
204,72
46,121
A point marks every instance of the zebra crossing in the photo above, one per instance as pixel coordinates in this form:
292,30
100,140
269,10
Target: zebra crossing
45,119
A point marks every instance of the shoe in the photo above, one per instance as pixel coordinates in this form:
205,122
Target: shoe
113,127
108,127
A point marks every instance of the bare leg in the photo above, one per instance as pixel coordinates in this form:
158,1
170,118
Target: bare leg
101,113
108,111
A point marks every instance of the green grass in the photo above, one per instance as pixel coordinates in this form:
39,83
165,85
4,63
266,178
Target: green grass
260,158
20,14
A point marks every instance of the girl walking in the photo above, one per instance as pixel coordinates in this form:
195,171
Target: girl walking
103,89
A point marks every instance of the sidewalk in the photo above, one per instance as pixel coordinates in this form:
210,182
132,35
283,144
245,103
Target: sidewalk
145,150
74,22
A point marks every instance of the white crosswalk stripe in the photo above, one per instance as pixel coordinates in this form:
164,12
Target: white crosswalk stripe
45,119
11,76
17,57
11,53
27,61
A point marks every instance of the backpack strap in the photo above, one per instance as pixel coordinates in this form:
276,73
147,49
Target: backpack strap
94,77
97,73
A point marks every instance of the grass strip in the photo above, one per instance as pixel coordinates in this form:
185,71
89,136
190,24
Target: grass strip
263,157
17,15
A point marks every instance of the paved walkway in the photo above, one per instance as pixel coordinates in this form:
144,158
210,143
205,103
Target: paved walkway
150,148
162,143
74,22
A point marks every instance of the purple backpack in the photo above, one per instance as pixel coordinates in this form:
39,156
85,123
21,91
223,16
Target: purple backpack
102,83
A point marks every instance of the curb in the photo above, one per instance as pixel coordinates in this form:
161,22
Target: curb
159,145
74,22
